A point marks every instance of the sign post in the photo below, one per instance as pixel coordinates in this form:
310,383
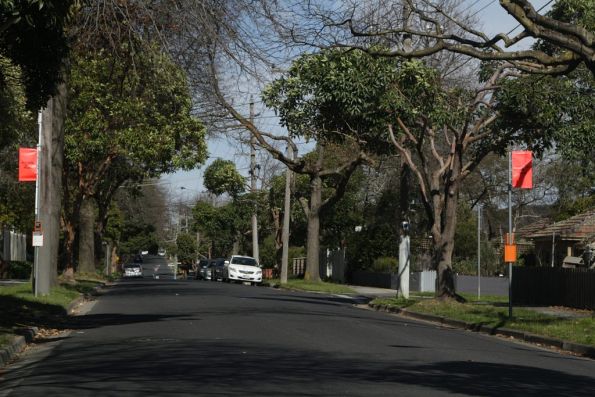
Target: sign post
520,175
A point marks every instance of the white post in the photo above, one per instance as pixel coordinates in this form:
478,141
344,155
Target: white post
286,220
404,255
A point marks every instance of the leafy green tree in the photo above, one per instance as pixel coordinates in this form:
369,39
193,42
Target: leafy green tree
222,177
186,248
17,128
339,99
445,133
137,237
129,118
222,226
33,37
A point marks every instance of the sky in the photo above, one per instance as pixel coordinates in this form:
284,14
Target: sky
185,186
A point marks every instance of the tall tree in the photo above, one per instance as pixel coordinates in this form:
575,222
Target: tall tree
128,118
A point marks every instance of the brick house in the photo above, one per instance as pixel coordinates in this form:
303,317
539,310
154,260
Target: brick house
567,238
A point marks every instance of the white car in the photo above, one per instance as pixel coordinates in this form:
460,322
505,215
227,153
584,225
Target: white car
242,269
133,270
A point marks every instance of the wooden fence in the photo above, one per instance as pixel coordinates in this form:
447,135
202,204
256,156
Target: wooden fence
553,287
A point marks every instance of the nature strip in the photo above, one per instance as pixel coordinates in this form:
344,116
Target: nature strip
576,348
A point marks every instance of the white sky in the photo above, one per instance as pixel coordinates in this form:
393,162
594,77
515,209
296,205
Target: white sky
186,185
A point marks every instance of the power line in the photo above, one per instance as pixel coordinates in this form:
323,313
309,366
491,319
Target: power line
483,8
541,8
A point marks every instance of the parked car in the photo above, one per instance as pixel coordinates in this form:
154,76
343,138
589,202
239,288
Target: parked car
201,270
133,270
217,269
242,269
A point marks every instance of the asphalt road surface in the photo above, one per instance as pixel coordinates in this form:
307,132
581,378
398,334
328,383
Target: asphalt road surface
157,267
156,337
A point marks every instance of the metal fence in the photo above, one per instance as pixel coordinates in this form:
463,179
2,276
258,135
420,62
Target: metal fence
553,287
375,279
13,245
298,266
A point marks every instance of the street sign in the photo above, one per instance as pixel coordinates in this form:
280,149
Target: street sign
510,253
37,239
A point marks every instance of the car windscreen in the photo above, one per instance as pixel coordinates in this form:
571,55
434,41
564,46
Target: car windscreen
131,266
243,261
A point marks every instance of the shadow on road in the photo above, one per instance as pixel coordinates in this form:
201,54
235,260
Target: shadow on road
173,367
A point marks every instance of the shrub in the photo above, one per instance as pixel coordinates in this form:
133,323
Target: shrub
467,267
385,264
20,270
268,253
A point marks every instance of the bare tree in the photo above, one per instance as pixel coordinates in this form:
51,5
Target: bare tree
443,26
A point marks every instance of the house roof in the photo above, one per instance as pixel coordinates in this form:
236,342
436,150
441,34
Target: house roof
579,227
527,231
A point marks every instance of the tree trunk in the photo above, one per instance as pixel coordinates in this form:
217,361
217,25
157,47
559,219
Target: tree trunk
276,214
444,243
50,188
313,239
114,266
86,237
69,237
236,244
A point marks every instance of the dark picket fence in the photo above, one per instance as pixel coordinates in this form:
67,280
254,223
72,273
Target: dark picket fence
373,279
553,287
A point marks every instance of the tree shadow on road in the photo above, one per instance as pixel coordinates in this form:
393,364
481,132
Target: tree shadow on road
134,367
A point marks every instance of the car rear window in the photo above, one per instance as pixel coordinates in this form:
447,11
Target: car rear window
243,261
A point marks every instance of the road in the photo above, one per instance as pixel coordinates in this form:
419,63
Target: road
158,337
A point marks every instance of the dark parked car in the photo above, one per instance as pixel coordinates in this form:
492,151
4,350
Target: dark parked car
217,269
201,270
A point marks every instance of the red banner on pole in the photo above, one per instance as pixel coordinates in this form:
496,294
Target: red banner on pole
522,169
27,165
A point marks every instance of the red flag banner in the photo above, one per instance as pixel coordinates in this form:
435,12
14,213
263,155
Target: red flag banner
522,169
27,164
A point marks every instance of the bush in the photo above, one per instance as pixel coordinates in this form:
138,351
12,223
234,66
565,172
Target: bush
296,252
385,264
20,270
268,253
467,267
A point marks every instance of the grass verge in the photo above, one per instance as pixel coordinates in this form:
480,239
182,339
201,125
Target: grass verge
303,285
20,308
493,312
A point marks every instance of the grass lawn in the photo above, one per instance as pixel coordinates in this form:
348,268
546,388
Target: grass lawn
321,286
20,308
493,311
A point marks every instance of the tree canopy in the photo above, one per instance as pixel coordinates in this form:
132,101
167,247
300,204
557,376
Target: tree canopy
33,37
222,177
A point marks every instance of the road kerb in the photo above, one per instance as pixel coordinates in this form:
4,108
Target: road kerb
17,345
576,348
27,334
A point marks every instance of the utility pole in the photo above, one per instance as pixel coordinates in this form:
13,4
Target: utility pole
253,185
510,238
478,251
37,186
286,218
